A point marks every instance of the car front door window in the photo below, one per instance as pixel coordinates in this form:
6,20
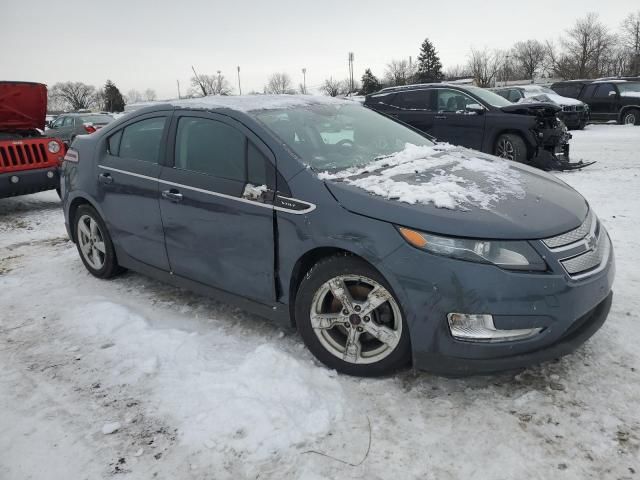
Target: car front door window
453,101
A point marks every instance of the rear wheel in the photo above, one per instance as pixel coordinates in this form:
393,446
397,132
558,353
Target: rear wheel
94,243
511,147
350,319
631,117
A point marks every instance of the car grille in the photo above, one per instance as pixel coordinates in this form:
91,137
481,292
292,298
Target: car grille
22,154
587,248
572,236
589,260
573,108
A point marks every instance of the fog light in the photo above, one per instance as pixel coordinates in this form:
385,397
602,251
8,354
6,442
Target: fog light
480,328
14,179
49,174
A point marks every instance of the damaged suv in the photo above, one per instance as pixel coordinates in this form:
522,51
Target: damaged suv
480,119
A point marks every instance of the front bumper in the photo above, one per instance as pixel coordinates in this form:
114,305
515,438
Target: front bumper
29,181
430,287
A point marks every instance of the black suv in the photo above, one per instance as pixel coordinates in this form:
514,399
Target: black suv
608,99
480,119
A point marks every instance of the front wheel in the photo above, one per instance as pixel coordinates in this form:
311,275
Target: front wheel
350,319
511,147
94,243
631,117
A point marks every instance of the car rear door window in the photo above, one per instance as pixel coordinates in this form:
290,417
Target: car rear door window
141,140
603,89
589,91
210,147
414,100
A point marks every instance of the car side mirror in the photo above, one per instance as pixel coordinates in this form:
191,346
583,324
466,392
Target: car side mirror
475,108
612,93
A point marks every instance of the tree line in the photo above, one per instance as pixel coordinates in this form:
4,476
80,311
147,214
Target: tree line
73,96
588,49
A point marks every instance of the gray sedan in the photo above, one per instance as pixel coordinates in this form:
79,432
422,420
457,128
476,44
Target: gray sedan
66,127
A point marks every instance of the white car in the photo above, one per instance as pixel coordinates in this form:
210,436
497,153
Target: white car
574,114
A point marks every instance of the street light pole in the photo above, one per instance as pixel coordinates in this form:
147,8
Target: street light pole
239,87
304,80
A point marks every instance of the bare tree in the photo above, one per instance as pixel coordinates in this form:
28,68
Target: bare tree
134,96
484,66
150,95
333,88
457,71
399,72
74,95
584,49
528,58
630,38
280,83
302,89
203,85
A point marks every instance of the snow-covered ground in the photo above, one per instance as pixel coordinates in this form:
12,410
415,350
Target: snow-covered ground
135,378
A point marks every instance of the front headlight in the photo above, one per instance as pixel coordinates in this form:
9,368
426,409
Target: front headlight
512,255
53,146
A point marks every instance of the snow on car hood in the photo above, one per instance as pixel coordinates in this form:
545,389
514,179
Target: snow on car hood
630,94
442,174
456,191
549,97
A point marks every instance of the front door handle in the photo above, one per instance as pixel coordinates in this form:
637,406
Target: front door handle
172,195
105,178
441,117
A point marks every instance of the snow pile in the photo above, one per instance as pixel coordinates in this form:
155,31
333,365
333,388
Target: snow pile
247,103
444,175
257,402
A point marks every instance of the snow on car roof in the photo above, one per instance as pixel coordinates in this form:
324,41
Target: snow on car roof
247,103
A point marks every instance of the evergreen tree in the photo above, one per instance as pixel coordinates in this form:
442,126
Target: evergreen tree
113,100
429,65
370,83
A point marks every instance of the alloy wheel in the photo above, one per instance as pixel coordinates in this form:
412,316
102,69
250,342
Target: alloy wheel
630,119
91,242
356,319
506,149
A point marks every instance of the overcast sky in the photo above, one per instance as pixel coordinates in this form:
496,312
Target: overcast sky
152,43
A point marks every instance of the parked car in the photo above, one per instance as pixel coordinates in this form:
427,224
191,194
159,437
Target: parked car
569,88
29,160
480,119
69,125
379,245
617,100
574,113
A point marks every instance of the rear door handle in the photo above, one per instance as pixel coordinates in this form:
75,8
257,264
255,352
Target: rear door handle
105,178
172,195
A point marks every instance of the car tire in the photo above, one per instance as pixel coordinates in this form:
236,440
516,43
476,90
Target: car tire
94,243
631,117
347,337
511,147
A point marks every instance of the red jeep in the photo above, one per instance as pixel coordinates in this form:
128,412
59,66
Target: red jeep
29,159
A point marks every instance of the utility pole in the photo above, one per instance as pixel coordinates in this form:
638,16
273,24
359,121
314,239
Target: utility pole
351,57
506,70
178,82
304,80
239,87
219,85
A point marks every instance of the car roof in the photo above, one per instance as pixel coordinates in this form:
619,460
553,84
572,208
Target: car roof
248,103
418,86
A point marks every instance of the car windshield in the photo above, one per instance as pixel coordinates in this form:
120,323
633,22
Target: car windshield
336,137
629,88
97,119
489,97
